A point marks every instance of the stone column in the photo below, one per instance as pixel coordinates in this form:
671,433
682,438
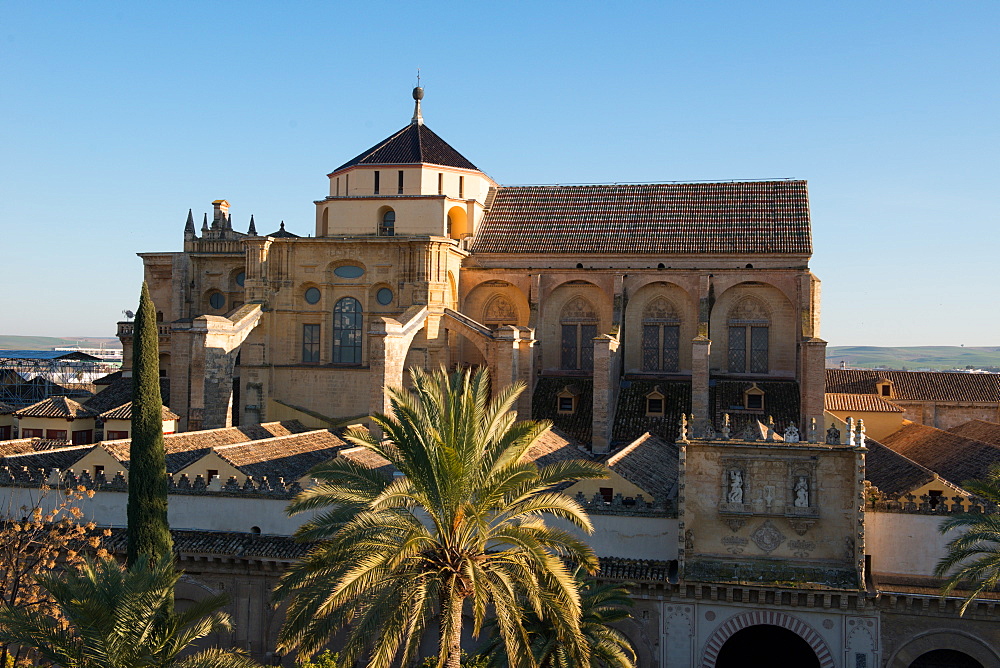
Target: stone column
526,371
701,348
812,380
605,391
505,358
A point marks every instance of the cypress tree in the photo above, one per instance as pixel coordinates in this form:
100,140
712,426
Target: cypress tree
148,530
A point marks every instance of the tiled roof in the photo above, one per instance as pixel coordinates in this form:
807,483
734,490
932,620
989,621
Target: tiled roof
918,385
189,446
57,407
20,446
952,457
650,463
781,401
5,409
224,543
862,403
554,446
545,405
110,378
364,457
124,412
289,457
414,144
980,430
631,421
120,392
891,472
659,219
57,458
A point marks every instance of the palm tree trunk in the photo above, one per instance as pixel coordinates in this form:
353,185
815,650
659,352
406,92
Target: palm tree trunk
451,634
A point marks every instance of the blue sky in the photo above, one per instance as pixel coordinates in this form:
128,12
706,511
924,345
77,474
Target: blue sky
115,118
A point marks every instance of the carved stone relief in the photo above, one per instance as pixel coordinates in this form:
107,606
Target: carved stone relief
767,537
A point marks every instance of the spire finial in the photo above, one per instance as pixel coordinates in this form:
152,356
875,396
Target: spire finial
253,227
418,94
204,224
189,225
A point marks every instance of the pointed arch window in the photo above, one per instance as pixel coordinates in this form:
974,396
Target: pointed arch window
579,327
499,311
347,322
749,337
661,336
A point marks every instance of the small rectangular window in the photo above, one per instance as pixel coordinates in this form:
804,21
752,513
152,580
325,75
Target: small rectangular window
116,435
608,494
934,497
461,187
55,434
98,469
401,182
212,473
566,404
440,184
885,390
31,433
654,406
376,181
755,402
338,186
347,185
310,344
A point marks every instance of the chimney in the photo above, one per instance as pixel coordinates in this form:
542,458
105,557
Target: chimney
221,207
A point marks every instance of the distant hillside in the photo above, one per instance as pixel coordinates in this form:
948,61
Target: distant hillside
912,358
50,342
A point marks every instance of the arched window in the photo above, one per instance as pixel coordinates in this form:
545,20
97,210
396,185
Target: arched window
749,335
661,336
387,228
347,319
579,327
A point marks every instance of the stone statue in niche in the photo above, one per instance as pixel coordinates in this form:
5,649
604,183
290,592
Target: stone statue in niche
802,492
769,495
832,436
735,486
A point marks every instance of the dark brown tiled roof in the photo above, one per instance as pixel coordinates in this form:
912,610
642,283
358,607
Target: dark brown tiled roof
952,457
862,403
545,405
781,401
120,392
20,446
223,543
57,407
57,458
980,430
554,446
918,385
109,379
189,446
289,457
891,472
124,412
631,421
412,145
362,456
650,463
676,218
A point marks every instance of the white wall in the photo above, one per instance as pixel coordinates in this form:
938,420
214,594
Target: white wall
903,543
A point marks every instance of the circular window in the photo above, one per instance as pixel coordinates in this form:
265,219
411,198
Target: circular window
349,271
312,295
241,278
384,296
217,300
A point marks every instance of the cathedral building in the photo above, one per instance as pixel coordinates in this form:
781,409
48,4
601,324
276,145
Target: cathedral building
669,330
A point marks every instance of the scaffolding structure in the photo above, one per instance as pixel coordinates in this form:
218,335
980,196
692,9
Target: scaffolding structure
29,376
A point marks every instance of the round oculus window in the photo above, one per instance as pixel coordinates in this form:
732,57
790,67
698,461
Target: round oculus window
384,296
217,300
349,271
241,278
312,295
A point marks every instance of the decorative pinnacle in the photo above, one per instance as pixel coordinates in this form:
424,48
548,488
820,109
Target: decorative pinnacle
189,225
253,228
204,224
418,94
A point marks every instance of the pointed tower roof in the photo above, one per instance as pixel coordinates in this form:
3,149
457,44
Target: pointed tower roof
253,228
413,145
189,225
204,224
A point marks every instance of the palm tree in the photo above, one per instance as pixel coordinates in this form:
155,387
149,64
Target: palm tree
119,618
462,523
601,606
973,558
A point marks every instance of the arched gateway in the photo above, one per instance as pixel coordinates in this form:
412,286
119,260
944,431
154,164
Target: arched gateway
738,637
